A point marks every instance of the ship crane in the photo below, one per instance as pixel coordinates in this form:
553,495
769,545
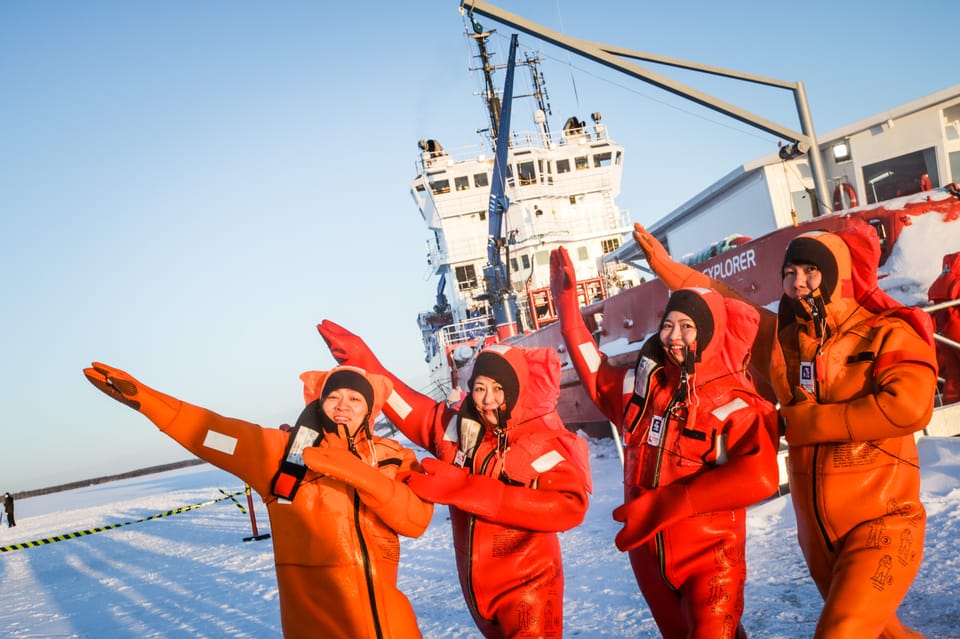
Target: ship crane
802,142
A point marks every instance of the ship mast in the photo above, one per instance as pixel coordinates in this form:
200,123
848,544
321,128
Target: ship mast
494,106
503,301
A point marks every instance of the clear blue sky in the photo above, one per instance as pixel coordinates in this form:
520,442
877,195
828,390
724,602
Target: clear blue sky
187,188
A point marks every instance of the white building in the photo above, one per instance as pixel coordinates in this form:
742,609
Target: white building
899,151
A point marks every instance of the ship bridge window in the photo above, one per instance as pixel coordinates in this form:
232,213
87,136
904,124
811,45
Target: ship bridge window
461,183
581,162
466,277
602,159
480,180
549,170
522,263
563,166
440,186
526,173
609,245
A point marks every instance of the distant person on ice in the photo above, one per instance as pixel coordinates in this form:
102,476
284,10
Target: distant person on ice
8,508
855,372
700,446
331,489
511,473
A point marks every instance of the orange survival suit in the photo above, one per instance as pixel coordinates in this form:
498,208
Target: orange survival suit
335,543
699,446
944,289
510,490
855,373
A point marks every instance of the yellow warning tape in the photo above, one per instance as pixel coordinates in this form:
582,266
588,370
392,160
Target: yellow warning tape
232,497
83,533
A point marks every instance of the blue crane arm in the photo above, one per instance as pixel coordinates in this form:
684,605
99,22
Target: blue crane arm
499,202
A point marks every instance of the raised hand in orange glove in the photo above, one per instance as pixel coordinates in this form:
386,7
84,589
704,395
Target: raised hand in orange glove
349,349
161,409
563,285
674,274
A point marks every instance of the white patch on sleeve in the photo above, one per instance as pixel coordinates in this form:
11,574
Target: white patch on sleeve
399,405
722,412
546,462
219,441
450,434
628,381
590,355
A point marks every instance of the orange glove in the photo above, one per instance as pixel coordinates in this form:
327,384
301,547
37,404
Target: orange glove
563,285
393,501
348,348
561,507
649,513
413,414
674,274
159,408
443,483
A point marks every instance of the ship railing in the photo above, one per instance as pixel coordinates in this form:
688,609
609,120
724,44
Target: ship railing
519,140
467,331
534,236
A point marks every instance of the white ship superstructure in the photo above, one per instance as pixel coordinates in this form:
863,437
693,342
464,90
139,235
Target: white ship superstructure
562,189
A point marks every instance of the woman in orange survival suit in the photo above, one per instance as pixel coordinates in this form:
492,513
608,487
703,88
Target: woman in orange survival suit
331,492
699,447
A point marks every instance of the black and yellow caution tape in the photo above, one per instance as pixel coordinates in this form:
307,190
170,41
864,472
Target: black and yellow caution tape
83,533
242,508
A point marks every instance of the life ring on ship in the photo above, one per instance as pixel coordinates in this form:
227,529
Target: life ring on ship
838,192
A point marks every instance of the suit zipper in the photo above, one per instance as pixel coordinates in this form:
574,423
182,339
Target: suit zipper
367,568
471,522
815,480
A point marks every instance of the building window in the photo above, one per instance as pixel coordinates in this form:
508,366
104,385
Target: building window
525,260
461,183
602,159
581,162
440,186
583,254
466,277
480,179
563,166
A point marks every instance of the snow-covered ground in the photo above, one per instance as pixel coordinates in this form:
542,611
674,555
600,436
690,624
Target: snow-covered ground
192,575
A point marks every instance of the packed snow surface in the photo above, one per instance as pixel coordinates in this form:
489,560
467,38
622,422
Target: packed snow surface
191,574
